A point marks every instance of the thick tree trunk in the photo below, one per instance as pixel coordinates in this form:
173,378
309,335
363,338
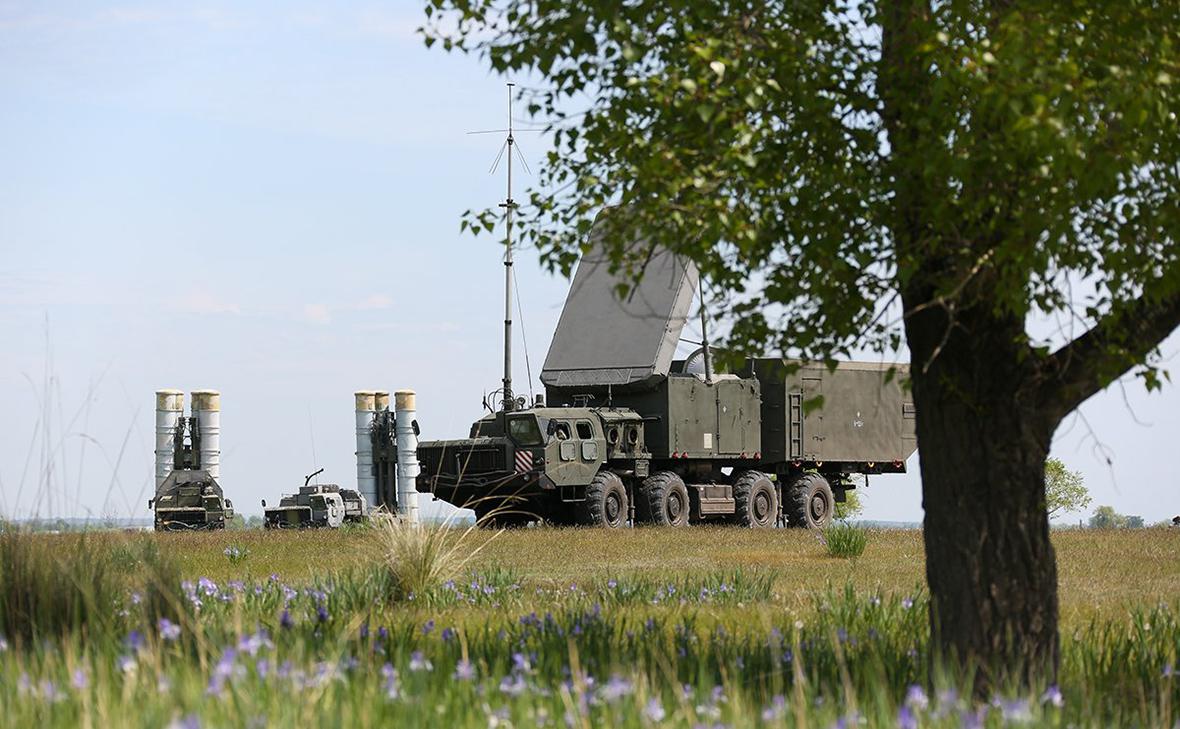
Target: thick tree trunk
990,565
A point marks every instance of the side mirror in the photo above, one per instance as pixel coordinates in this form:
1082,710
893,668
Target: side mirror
414,425
264,503
150,503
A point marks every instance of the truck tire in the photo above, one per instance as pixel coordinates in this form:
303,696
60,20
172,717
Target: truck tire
755,500
810,503
606,502
666,499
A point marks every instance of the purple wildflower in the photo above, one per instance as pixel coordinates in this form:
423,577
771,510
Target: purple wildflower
50,692
391,687
188,722
419,662
1015,711
776,710
135,640
616,688
513,685
907,603
79,680
321,613
847,721
136,598
448,634
222,672
428,627
285,620
125,664
520,663
906,718
464,671
251,644
915,698
1053,696
168,629
654,711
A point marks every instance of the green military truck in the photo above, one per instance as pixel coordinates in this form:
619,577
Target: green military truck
630,434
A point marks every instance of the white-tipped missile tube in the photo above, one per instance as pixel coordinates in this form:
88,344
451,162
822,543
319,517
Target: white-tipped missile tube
405,411
381,401
207,410
366,482
169,407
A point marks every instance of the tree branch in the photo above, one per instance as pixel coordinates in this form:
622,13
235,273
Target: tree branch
1119,341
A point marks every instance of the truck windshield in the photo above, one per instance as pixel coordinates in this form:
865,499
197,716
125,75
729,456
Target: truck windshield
524,430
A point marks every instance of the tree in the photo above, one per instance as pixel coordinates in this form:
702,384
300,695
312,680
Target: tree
1064,489
1105,517
852,175
850,508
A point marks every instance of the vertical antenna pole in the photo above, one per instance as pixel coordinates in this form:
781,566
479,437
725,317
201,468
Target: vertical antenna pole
705,339
508,206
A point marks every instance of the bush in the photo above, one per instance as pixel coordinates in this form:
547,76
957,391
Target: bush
845,540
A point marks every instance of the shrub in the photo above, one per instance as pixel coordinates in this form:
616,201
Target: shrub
845,540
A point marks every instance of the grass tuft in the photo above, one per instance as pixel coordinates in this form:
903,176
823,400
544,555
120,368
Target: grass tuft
55,584
845,540
415,559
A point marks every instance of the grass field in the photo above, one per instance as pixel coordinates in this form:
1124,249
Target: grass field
551,627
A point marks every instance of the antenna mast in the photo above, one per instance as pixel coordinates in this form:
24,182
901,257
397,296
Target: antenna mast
509,205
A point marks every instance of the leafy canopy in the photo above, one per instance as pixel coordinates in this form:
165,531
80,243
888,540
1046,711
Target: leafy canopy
752,137
1065,490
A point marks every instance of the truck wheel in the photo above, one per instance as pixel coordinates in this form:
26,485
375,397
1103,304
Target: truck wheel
606,502
810,503
667,499
755,500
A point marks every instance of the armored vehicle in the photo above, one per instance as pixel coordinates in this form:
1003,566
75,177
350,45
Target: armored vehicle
189,498
316,505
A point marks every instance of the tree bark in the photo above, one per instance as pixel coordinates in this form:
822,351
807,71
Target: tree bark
990,564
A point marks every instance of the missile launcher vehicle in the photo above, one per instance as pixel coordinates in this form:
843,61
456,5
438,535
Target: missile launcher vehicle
190,497
316,506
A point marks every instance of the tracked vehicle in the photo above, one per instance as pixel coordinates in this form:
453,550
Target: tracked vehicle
316,506
190,497
639,436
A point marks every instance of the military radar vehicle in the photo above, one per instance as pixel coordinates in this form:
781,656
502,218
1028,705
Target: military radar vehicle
189,497
632,434
316,506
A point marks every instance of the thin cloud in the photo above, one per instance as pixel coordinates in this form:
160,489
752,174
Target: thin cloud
374,302
205,302
317,313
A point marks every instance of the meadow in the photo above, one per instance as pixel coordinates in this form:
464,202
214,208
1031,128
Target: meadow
549,627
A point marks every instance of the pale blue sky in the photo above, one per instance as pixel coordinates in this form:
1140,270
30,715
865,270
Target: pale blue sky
265,200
